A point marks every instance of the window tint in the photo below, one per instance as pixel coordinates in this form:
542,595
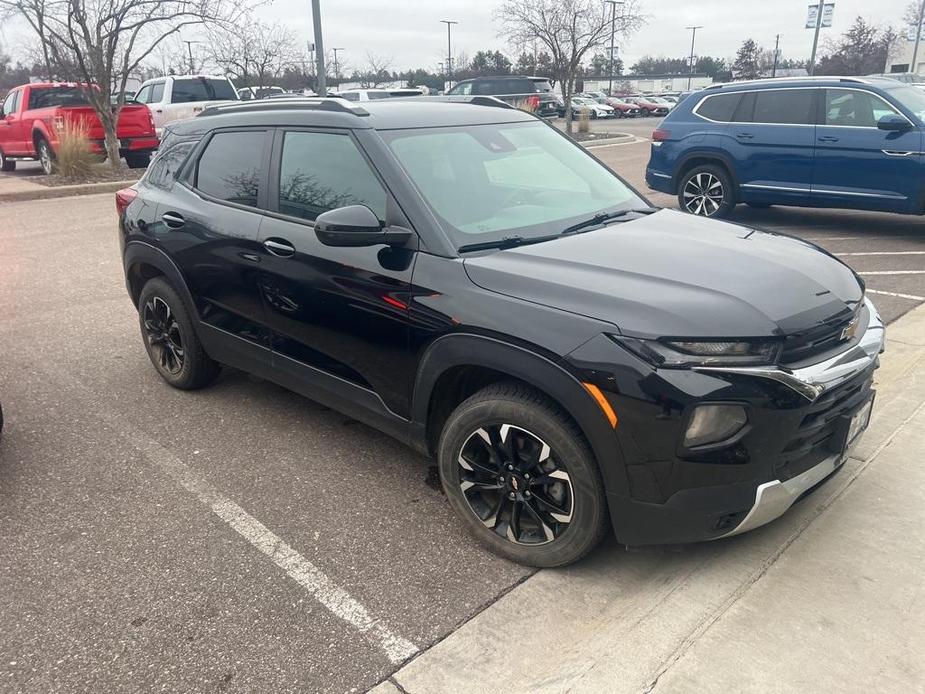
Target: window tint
784,106
462,89
229,169
323,171
486,87
378,95
157,93
849,107
201,89
720,107
142,96
163,170
56,96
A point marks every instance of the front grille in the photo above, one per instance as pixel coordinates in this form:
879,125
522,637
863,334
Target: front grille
819,339
815,439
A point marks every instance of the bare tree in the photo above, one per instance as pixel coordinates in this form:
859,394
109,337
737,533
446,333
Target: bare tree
377,70
101,43
254,52
568,30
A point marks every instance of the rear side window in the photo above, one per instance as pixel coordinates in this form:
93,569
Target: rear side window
47,97
229,168
720,107
784,106
201,89
166,165
323,171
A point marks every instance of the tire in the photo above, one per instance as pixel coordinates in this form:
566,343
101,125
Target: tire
138,161
6,164
46,156
170,339
706,191
565,476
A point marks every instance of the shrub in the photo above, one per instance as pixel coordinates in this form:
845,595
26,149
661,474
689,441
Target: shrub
75,157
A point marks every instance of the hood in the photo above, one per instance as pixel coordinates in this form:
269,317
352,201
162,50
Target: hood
674,274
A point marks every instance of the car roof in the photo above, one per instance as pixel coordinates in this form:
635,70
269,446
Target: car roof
384,114
781,82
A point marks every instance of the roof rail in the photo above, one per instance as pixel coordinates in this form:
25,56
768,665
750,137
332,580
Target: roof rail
805,78
481,100
300,103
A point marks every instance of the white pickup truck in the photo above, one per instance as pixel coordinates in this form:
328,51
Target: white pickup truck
183,96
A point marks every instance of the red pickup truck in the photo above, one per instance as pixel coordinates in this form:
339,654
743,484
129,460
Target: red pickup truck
31,115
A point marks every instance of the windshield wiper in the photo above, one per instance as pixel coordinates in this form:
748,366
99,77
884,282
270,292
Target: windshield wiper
506,242
603,217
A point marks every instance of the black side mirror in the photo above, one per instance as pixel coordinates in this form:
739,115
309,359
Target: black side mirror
893,123
357,225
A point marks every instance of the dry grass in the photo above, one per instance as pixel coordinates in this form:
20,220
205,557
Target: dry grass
75,158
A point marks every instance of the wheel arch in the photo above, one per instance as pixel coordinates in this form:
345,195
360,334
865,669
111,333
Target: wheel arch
143,262
438,390
703,158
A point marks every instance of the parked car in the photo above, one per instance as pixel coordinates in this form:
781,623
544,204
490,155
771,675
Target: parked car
176,97
454,277
648,107
32,114
812,142
127,96
533,93
249,93
594,109
667,103
624,109
361,94
408,91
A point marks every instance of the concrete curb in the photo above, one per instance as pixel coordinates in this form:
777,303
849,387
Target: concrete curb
40,192
619,621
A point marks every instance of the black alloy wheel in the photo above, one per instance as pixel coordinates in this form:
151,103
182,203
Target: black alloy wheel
515,484
163,335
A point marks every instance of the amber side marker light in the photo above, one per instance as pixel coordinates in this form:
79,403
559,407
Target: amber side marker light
602,403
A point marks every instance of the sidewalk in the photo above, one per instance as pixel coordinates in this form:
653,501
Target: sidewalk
17,189
831,597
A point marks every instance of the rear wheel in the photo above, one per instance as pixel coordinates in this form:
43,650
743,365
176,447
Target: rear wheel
6,164
170,339
706,191
518,472
46,156
138,160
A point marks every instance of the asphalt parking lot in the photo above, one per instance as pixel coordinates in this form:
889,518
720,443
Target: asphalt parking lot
240,538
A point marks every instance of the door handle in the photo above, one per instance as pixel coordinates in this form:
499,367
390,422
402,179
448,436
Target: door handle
828,138
279,247
745,136
897,153
173,220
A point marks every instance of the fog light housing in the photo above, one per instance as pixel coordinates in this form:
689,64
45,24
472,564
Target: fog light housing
714,423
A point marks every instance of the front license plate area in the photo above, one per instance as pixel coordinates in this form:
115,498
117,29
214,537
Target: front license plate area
851,427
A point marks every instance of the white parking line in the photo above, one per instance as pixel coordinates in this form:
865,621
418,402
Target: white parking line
897,294
893,272
337,600
885,253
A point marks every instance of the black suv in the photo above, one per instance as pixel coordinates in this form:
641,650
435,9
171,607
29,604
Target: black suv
463,276
530,93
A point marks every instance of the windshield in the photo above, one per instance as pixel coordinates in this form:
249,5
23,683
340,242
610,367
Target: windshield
202,89
912,98
489,182
46,97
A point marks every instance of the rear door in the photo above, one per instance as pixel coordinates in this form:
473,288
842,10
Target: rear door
772,140
859,165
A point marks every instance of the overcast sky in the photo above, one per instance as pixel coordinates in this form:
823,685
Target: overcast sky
409,30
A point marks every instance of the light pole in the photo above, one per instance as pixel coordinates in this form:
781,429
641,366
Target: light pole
189,49
613,30
319,48
449,49
693,38
776,56
918,35
336,73
811,68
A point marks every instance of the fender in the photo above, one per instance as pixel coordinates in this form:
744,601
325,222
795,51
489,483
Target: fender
39,128
717,154
462,349
140,252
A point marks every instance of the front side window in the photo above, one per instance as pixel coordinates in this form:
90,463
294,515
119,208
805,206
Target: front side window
462,89
323,171
230,167
487,182
143,95
202,89
848,107
9,104
784,106
912,98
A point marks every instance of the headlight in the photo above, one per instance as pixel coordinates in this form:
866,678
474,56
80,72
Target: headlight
714,423
678,354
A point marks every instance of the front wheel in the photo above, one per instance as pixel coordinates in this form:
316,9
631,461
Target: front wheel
6,164
518,472
706,191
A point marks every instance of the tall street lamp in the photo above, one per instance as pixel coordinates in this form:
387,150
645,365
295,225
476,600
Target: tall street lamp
336,72
613,30
449,49
693,38
321,86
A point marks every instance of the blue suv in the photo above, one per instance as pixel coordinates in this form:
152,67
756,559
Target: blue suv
812,142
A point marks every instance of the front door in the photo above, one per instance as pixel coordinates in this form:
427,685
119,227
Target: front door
334,312
859,165
11,125
772,143
211,231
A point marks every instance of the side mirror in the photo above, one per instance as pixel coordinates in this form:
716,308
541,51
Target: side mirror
893,123
355,226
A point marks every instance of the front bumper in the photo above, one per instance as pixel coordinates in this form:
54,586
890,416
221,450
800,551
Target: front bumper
794,440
